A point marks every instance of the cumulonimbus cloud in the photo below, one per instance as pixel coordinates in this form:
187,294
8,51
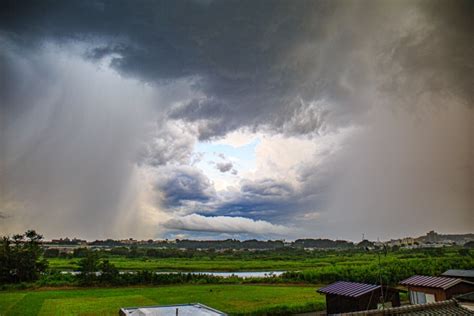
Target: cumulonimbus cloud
74,131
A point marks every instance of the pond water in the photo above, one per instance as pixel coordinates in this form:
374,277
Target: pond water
240,274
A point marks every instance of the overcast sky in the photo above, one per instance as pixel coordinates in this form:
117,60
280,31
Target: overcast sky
237,119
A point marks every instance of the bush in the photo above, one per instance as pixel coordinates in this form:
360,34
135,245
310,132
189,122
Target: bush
56,278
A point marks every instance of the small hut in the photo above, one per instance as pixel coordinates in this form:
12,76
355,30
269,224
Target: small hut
428,289
344,297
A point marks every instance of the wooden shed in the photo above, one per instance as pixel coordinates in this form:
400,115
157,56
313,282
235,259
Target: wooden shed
426,289
344,297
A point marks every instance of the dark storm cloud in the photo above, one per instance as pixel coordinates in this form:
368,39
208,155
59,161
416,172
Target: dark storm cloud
266,188
265,199
187,189
260,63
184,184
297,68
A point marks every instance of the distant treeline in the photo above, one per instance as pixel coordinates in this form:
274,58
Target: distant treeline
283,253
223,244
135,251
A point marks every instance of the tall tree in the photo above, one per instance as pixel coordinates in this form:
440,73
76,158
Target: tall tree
108,272
88,266
21,258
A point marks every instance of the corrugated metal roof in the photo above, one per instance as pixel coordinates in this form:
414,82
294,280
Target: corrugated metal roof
467,297
460,273
443,308
429,281
351,289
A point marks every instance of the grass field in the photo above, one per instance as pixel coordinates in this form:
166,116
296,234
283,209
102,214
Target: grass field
232,299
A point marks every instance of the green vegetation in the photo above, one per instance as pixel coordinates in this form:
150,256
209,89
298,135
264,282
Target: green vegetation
329,262
23,266
20,258
393,270
319,267
233,299
198,264
287,259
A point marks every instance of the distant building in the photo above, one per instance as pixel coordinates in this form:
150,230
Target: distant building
171,310
408,241
379,244
129,241
467,275
344,297
432,237
427,289
394,242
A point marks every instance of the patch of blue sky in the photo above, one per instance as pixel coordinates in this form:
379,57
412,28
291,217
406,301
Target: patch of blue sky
242,158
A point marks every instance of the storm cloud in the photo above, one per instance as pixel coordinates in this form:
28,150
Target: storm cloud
182,184
366,108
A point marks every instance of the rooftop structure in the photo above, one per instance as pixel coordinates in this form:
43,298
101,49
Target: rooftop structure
466,300
427,289
467,275
444,308
171,310
429,281
344,297
350,289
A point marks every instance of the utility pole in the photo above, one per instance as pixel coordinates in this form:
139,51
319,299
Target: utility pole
381,284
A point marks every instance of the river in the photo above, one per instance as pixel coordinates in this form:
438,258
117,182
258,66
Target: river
240,274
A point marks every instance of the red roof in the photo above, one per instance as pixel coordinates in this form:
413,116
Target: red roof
351,289
429,281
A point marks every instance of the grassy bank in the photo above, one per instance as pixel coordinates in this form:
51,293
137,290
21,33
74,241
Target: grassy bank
232,299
